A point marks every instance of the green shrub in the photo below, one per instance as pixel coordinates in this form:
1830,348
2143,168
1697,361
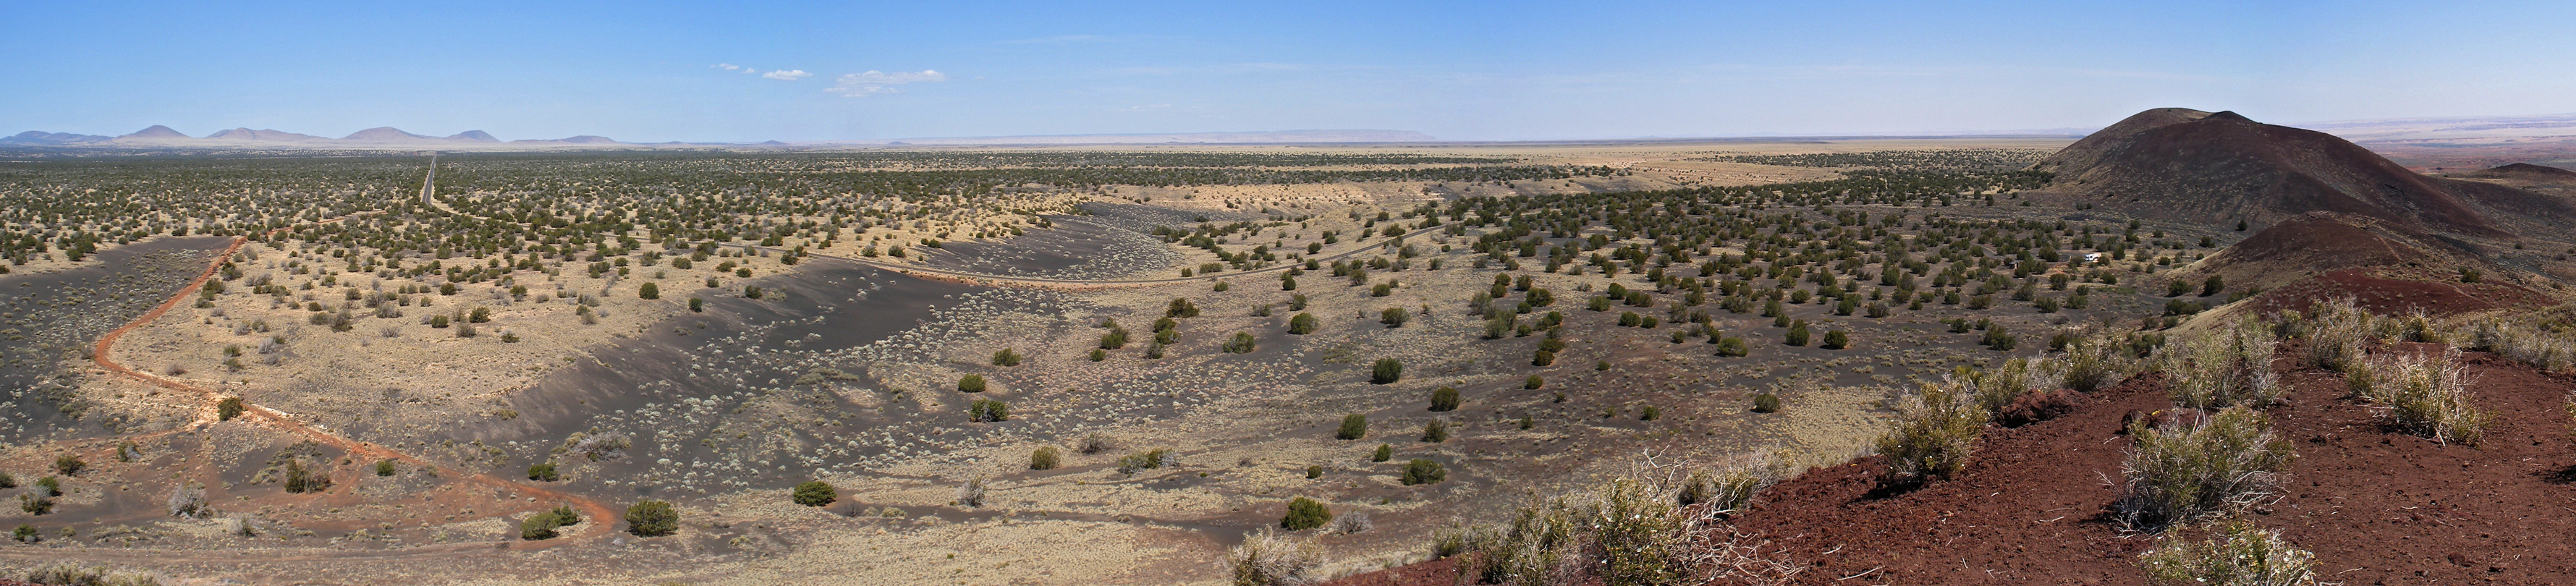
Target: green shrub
25,533
544,471
1836,340
1394,317
2212,466
1006,357
1241,344
384,467
1303,323
1933,434
1314,472
1354,426
1305,513
1386,371
1384,452
300,479
1797,335
973,383
228,408
815,493
649,291
1733,347
69,465
1146,460
537,527
1543,358
985,410
1422,471
2238,553
35,504
1436,431
1650,413
652,518
1533,382
1044,458
1444,399
1766,403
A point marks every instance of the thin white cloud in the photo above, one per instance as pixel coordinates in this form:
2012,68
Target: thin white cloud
787,74
1060,39
860,85
728,67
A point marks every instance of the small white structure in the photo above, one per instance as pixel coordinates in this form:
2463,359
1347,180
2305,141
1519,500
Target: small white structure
2093,257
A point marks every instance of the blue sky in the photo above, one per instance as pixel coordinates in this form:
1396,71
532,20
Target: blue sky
655,71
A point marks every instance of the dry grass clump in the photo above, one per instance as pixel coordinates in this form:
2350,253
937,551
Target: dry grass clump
1933,434
2338,333
2424,395
1267,558
2097,361
1725,491
1997,388
2522,343
2238,554
1625,530
74,574
2214,465
2223,369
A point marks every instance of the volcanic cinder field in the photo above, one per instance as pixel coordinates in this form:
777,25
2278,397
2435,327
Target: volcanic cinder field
1884,361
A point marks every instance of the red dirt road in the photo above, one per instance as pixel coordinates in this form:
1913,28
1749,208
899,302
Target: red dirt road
103,353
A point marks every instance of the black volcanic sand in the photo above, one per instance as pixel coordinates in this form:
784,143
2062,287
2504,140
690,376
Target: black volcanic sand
1077,247
727,371
48,321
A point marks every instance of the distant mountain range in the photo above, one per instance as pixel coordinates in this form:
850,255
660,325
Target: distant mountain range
387,137
159,136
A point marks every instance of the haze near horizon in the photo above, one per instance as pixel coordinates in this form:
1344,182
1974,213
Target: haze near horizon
650,72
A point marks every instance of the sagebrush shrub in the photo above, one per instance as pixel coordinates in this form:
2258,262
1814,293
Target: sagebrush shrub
1354,426
1933,434
2213,465
2097,361
1045,458
1269,559
2338,333
2222,369
2237,554
2428,396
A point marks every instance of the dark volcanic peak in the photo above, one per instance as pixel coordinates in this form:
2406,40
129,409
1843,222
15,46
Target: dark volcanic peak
42,137
155,131
2526,171
2185,165
262,135
582,139
384,133
474,135
2316,243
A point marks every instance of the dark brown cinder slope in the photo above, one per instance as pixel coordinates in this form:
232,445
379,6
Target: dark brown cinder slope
2184,165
